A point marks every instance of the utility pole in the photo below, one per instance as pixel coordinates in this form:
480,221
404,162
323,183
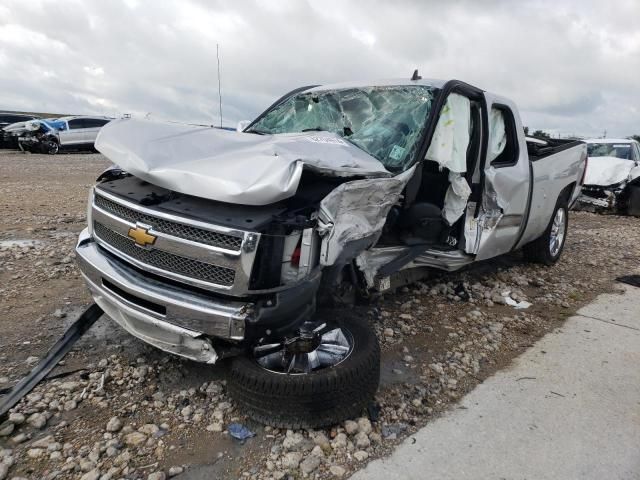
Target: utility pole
219,83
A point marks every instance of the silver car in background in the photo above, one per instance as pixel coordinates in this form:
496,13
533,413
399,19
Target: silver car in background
80,132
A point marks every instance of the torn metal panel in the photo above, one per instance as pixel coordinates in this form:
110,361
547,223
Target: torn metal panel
370,261
451,137
356,211
455,200
227,166
491,212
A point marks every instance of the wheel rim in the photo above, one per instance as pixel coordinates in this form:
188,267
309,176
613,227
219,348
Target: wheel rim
311,351
558,227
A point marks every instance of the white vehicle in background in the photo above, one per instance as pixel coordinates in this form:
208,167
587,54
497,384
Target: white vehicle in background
79,132
612,180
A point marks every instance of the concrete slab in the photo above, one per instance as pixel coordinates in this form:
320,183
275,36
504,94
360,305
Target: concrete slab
568,408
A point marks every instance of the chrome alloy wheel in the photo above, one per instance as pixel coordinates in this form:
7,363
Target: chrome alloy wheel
313,349
558,229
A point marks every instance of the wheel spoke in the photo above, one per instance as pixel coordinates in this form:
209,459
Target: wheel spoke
333,349
262,350
330,346
299,364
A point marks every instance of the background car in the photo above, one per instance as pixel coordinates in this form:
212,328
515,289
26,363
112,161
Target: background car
79,132
7,139
612,178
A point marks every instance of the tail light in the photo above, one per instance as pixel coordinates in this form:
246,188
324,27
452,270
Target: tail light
584,173
295,256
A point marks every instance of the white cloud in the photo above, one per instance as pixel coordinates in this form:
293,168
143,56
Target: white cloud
572,66
364,37
94,71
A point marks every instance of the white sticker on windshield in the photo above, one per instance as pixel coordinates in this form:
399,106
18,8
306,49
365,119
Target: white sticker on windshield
327,140
623,145
397,152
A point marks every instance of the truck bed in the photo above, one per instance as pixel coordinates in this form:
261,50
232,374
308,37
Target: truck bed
543,147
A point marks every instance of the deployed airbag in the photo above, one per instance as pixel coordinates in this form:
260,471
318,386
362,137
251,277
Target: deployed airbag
497,134
451,137
455,200
226,166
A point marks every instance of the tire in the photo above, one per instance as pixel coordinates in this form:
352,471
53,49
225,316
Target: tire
51,147
633,201
310,400
541,250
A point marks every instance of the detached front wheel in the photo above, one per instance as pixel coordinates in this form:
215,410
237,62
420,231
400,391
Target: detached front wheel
321,376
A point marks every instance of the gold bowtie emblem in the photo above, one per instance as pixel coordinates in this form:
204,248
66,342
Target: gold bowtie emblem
142,236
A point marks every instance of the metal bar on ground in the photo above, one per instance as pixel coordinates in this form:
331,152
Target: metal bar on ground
51,359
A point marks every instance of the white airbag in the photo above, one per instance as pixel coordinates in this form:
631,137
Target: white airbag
451,137
455,200
497,134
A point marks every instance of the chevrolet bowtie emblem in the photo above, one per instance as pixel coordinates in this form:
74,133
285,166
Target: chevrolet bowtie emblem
142,236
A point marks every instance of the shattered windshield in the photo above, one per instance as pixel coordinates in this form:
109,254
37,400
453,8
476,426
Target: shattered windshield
618,150
386,122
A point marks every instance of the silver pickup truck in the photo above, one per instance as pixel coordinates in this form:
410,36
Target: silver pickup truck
209,243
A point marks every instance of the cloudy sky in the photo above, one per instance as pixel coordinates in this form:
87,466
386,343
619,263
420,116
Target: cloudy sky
573,66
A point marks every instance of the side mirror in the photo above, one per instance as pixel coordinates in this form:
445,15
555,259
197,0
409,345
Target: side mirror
242,124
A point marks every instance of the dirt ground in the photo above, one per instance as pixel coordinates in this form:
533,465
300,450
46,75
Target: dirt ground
126,410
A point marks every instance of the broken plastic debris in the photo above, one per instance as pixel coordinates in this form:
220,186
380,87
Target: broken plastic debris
517,305
393,430
240,432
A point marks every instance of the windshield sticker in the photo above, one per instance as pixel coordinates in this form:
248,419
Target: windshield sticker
624,145
397,152
327,140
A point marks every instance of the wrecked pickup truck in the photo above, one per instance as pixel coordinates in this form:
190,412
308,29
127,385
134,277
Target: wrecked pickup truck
210,244
612,180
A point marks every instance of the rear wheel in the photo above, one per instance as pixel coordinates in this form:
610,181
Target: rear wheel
548,247
321,376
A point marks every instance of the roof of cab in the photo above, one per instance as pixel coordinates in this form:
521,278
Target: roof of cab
388,82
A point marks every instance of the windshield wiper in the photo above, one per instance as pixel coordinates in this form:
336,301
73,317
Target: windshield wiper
317,129
257,132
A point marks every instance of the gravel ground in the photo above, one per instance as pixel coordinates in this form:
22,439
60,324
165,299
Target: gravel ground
121,409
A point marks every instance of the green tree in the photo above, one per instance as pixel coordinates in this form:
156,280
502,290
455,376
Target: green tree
541,134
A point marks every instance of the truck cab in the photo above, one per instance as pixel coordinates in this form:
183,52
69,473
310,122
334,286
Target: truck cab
209,243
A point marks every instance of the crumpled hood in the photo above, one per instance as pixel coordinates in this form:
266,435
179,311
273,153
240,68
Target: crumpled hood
15,128
226,166
605,171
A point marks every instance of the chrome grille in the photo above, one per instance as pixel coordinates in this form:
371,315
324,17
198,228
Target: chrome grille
181,230
165,260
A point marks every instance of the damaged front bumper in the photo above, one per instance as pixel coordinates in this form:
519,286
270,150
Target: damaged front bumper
169,317
595,197
183,320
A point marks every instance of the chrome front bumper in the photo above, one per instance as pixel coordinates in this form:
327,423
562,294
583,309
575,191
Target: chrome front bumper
164,315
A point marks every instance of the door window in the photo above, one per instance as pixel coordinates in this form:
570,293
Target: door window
76,123
503,138
94,122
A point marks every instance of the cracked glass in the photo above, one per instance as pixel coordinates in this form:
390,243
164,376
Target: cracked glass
386,122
